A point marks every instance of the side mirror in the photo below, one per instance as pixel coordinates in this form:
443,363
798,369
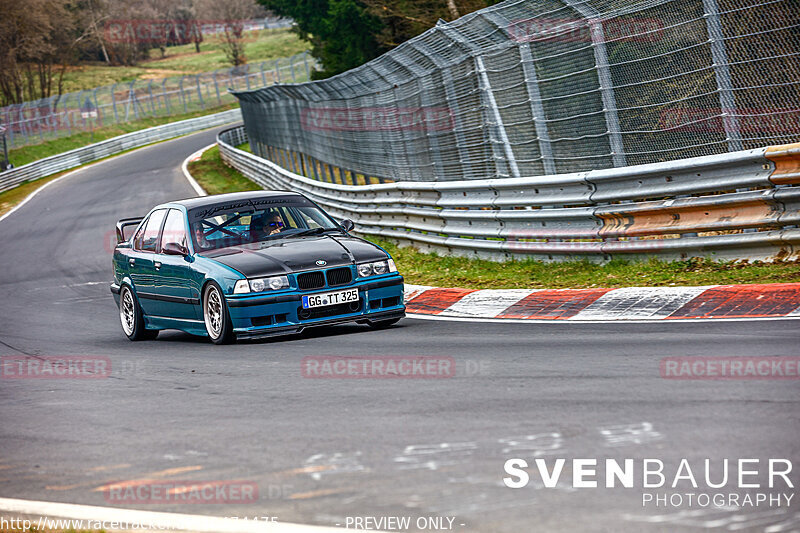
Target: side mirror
173,248
347,224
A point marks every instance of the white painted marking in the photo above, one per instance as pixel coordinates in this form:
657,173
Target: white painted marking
625,434
412,291
160,520
185,168
639,302
434,456
335,463
486,303
535,445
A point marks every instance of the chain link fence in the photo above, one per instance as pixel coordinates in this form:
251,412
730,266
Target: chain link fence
536,87
62,115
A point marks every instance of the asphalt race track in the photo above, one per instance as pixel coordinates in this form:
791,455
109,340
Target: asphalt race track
320,450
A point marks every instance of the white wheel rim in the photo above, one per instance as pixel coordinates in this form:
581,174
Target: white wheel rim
127,311
213,313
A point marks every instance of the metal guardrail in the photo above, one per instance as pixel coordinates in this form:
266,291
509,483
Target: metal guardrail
741,205
80,156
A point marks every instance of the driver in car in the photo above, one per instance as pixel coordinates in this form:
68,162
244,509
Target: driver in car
273,224
200,237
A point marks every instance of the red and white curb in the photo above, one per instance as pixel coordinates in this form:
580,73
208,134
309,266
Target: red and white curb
771,300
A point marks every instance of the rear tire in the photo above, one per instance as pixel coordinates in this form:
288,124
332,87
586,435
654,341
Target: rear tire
131,317
216,316
383,324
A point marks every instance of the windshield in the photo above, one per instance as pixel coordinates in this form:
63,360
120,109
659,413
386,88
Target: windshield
246,225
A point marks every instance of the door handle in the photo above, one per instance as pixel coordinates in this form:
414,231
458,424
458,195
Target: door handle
157,264
132,261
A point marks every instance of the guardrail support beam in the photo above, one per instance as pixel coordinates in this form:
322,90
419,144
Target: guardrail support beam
595,24
722,73
499,127
537,109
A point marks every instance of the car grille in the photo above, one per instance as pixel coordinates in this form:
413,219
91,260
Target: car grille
339,276
310,280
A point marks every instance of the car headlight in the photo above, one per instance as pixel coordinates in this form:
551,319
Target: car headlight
364,270
273,283
376,269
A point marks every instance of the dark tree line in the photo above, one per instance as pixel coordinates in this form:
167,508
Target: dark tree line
347,33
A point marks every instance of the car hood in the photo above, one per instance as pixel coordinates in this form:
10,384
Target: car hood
272,258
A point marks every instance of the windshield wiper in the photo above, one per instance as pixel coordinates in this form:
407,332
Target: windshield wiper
312,231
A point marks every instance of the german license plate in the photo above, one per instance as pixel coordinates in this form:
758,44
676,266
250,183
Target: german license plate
330,298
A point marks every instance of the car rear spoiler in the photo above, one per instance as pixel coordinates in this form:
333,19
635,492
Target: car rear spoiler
124,223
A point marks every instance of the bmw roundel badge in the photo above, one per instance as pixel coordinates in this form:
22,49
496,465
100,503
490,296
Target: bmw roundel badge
321,263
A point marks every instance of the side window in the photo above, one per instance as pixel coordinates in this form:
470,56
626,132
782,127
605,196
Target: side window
150,236
137,240
174,229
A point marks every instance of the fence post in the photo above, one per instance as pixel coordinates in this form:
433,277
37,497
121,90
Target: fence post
97,106
216,88
22,124
263,74
491,103
722,72
9,128
277,71
291,66
183,96
200,93
606,85
305,63
166,96
114,102
150,95
537,109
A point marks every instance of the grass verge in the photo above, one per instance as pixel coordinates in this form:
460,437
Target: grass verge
216,177
431,269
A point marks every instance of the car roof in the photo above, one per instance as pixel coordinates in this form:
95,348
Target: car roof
201,201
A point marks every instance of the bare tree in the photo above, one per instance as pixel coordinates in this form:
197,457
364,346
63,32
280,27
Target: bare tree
232,15
36,44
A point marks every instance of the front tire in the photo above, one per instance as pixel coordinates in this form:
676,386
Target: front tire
216,316
131,317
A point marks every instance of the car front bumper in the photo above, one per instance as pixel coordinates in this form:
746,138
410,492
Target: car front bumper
256,316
